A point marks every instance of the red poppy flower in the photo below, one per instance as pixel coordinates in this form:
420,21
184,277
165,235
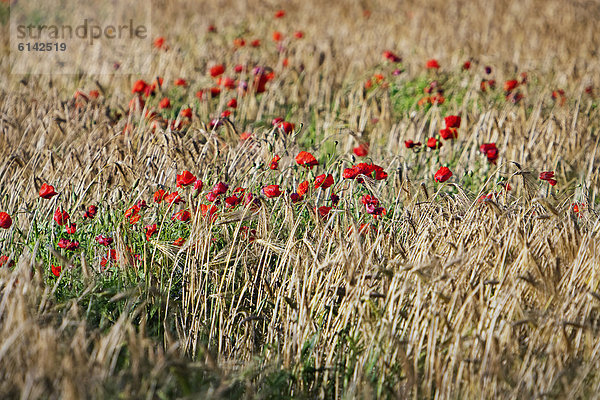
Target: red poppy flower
306,159
198,185
275,162
303,188
174,198
186,113
448,133
409,144
279,13
432,64
164,103
94,94
239,42
295,197
47,191
233,201
287,127
105,241
217,70
443,174
61,217
180,82
298,34
220,188
510,85
433,143
362,150
135,219
186,178
71,229
277,36
490,150
67,244
139,87
200,94
255,43
371,203
391,56
55,269
159,42
323,211
466,65
225,114
183,215
232,103
159,195
452,121
324,181
549,177
179,242
4,261
271,191
208,210
5,220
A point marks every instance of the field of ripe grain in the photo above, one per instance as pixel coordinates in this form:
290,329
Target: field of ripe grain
308,199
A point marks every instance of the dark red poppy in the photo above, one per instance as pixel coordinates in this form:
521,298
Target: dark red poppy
56,269
391,56
371,203
323,181
71,229
549,177
409,144
275,162
452,121
61,217
298,34
306,159
47,191
466,65
233,201
232,103
255,43
271,191
362,150
448,133
220,188
67,244
490,150
433,143
279,13
295,197
104,240
217,70
225,114
323,211
183,215
303,188
198,185
432,64
443,174
186,178
5,220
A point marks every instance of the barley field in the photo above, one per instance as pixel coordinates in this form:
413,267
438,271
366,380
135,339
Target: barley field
308,199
